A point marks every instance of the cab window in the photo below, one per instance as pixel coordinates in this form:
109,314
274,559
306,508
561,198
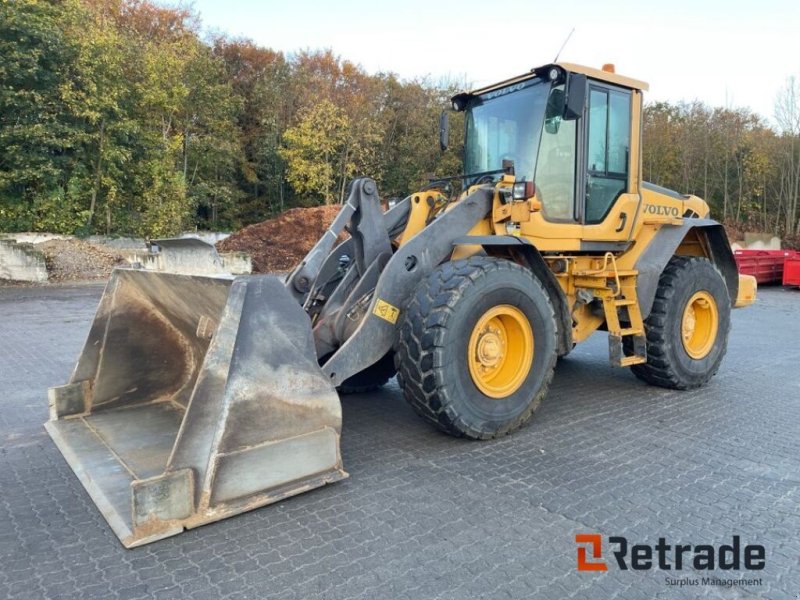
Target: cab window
608,148
555,167
504,125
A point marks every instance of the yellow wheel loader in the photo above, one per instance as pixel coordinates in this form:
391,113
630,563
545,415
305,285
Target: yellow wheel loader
196,398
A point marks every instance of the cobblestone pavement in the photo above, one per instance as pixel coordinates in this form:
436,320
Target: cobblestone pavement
428,516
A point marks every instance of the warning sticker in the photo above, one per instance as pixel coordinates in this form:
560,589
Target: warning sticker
386,311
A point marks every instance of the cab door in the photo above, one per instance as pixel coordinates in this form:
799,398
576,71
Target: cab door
587,175
609,179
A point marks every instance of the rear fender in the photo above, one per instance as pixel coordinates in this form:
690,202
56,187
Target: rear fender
665,245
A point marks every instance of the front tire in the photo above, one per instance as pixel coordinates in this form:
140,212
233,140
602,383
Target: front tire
687,329
477,347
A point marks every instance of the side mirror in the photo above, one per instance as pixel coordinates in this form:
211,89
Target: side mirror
576,96
444,130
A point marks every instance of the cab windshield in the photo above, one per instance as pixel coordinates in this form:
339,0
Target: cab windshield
506,124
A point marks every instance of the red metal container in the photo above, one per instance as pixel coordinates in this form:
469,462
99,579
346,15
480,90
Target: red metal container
765,265
791,270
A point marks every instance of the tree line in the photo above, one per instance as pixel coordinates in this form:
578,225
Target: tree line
121,117
117,116
748,171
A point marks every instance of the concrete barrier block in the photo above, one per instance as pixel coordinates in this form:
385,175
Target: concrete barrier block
21,262
236,263
761,241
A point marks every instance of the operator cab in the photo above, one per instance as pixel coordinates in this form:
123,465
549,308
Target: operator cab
567,128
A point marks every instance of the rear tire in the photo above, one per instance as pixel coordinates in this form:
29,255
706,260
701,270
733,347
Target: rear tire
687,329
451,353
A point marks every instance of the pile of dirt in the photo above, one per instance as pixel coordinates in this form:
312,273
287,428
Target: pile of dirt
76,260
280,243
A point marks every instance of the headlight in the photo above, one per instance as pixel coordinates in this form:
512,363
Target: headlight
523,190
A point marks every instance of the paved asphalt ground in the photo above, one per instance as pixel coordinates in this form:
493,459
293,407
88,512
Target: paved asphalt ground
428,516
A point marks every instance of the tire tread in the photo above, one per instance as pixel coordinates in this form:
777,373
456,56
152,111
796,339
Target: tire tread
659,370
420,354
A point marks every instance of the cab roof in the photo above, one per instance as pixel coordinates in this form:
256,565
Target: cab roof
614,78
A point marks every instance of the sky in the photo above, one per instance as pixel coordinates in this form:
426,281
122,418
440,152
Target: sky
724,53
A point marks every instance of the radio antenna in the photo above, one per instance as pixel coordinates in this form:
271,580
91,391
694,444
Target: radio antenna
564,44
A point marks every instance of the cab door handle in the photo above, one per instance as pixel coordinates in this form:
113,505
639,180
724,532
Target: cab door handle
623,221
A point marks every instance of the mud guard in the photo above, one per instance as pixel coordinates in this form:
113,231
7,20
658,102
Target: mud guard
537,265
662,248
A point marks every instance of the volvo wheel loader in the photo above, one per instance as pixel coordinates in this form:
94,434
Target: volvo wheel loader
196,398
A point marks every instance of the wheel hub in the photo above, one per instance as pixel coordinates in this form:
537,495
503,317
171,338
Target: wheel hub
500,351
490,348
689,324
699,325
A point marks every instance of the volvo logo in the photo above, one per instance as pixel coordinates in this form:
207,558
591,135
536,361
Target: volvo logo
662,210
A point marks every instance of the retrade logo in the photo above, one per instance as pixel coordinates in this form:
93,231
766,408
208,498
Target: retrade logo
643,557
595,543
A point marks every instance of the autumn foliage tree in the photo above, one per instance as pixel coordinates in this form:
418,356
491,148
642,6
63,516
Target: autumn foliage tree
121,117
729,157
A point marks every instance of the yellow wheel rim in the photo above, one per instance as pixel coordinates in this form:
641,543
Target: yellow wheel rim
699,325
500,351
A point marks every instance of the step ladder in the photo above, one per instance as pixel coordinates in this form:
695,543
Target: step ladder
617,290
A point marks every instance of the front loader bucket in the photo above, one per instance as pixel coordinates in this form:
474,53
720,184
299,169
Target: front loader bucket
194,399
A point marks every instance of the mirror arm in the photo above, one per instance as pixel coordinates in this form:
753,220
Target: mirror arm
444,131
